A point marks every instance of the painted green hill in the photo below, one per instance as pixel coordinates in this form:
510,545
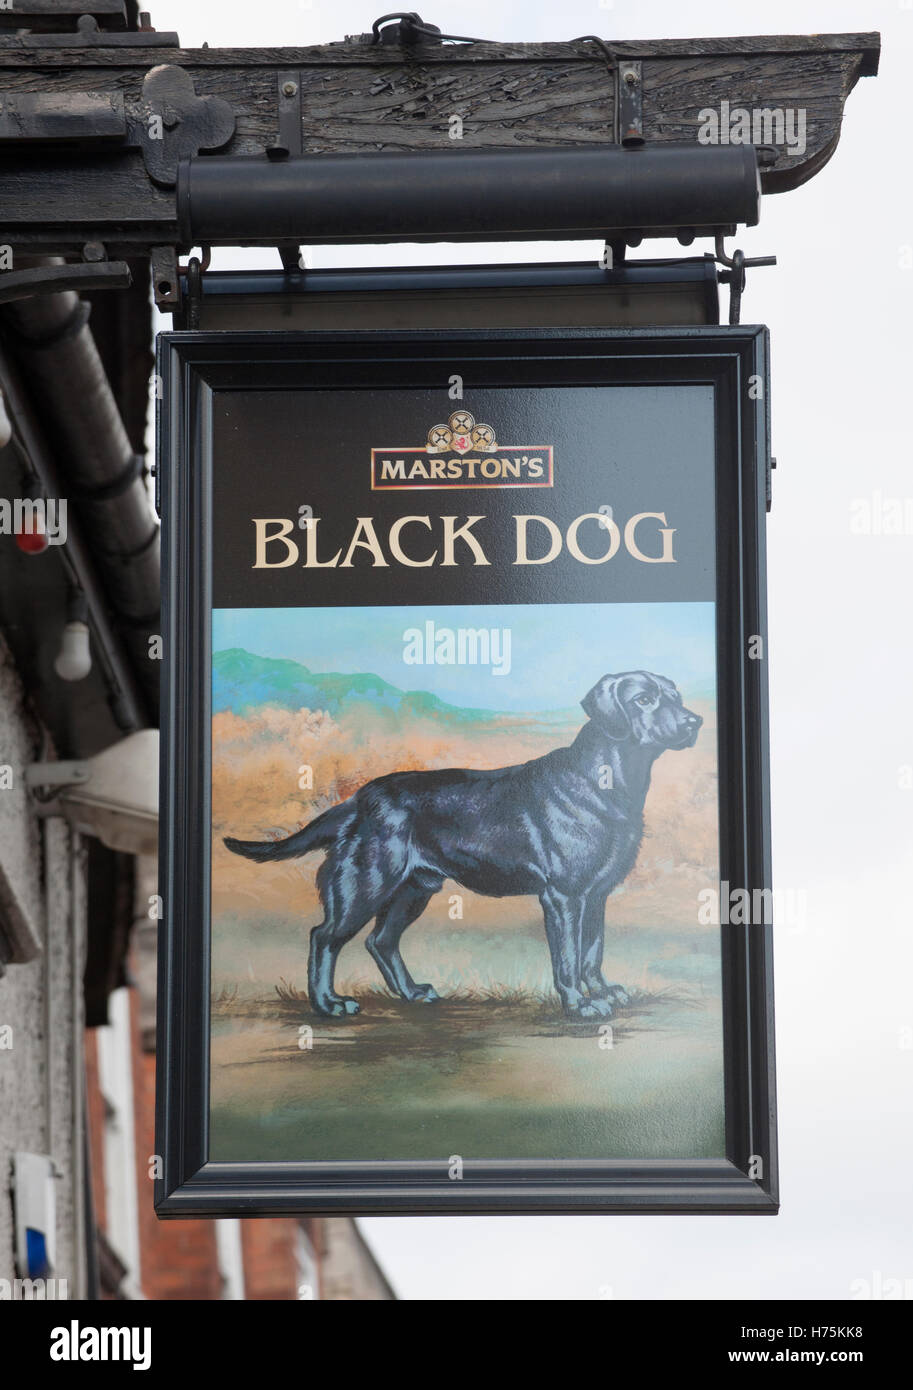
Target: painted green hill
242,681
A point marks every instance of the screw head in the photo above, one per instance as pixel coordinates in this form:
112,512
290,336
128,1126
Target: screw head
289,89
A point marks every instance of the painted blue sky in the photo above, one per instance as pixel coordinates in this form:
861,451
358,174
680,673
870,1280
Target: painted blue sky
558,651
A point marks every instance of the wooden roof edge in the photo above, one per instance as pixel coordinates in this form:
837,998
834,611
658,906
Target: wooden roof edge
358,50
867,44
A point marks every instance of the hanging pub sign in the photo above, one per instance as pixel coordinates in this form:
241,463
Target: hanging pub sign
464,853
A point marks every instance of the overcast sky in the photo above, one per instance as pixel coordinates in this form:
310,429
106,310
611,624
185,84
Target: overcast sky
838,305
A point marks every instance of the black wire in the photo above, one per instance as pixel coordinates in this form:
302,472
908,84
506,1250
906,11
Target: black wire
384,19
416,28
607,53
450,38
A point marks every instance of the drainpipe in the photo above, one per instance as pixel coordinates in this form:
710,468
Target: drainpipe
101,476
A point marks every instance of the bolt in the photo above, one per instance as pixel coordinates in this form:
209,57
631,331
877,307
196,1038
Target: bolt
289,89
631,78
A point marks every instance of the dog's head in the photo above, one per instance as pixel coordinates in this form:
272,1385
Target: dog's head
644,708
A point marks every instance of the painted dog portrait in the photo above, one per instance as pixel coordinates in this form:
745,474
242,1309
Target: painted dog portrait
565,827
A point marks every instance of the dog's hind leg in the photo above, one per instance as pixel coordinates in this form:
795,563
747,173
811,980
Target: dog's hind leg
327,940
345,913
563,927
407,903
603,995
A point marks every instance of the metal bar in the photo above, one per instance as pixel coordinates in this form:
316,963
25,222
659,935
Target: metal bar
289,105
51,279
431,279
468,195
630,101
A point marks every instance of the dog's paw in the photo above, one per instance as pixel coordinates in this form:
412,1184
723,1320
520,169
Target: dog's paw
339,1008
604,1008
590,1008
619,995
425,994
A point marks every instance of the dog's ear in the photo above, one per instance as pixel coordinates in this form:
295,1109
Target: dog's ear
603,705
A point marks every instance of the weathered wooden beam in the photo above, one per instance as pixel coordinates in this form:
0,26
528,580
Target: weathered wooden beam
354,97
42,15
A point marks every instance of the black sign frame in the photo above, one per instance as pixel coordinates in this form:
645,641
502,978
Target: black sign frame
193,368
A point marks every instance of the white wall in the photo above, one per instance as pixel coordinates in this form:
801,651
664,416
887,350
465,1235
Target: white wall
41,1001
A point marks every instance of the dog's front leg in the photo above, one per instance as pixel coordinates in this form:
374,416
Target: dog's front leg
604,995
563,927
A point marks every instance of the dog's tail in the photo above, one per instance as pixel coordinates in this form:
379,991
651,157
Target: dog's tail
318,835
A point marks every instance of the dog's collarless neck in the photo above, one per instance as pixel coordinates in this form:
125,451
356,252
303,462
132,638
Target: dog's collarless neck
630,764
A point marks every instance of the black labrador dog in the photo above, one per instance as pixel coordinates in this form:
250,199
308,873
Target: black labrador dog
565,827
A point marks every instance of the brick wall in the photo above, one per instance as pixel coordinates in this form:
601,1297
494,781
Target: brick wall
178,1258
270,1258
95,1106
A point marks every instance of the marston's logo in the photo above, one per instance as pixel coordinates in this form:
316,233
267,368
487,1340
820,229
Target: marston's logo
461,454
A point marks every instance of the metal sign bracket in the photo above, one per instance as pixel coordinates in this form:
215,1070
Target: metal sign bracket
734,274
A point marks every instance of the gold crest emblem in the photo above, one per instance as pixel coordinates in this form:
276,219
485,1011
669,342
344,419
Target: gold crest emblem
461,423
483,438
460,434
440,437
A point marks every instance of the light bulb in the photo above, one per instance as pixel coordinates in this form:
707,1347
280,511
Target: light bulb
74,660
32,539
